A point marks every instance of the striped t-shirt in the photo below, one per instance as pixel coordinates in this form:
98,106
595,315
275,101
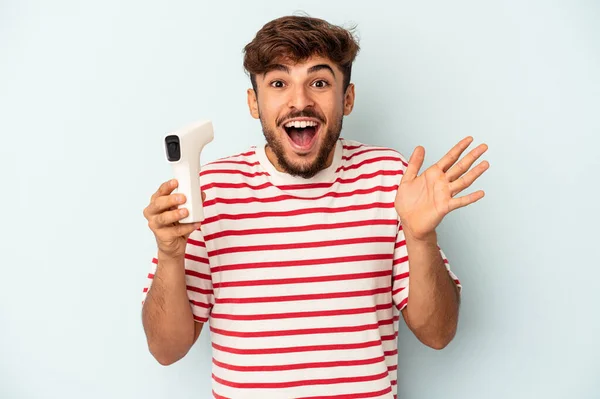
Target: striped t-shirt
301,281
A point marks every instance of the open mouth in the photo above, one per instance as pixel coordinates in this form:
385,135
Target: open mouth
302,133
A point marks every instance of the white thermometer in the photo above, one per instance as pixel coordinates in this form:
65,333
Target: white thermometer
183,148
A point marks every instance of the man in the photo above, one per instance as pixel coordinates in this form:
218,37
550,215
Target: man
301,265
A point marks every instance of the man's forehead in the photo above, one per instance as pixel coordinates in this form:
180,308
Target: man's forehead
287,64
314,59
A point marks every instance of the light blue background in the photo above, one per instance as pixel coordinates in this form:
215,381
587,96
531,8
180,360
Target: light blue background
87,89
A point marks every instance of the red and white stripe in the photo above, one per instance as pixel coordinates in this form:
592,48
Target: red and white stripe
301,283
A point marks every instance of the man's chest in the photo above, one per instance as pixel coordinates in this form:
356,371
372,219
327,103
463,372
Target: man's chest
278,253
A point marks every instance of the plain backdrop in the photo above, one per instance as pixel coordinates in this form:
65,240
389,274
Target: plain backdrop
88,89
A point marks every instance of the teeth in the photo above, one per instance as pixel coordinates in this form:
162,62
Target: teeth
300,124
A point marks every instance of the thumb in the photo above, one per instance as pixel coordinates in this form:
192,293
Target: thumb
414,163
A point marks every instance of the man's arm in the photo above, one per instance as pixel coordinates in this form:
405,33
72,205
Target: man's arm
422,202
167,316
433,297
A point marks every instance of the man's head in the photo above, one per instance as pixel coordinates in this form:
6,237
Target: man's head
300,71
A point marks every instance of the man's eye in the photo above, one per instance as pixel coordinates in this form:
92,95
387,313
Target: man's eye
320,83
277,83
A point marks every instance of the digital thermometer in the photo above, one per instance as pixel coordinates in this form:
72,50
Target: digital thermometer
183,148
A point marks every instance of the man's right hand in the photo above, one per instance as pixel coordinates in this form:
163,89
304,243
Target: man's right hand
163,219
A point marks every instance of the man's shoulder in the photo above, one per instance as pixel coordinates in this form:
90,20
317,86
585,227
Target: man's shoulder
226,168
238,160
356,151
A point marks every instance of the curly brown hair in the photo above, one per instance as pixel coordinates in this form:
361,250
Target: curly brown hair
297,38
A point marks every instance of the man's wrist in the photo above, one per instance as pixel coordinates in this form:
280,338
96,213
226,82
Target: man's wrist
428,239
169,260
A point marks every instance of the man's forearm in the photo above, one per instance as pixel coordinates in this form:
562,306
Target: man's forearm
166,315
433,300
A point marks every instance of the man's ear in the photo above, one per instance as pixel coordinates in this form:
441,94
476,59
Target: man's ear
253,104
349,99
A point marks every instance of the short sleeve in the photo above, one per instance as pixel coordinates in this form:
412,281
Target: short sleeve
197,276
400,271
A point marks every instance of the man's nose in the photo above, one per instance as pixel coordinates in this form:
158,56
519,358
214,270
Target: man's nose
300,98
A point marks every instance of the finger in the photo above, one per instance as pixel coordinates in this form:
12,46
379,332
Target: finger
165,189
464,164
414,163
167,218
179,230
452,156
465,200
164,203
203,197
465,181
183,229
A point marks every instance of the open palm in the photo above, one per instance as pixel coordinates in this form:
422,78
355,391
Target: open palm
424,200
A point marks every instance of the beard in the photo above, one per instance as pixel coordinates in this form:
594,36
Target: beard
304,170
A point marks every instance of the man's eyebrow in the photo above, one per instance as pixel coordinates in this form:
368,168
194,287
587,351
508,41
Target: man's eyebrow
319,67
276,67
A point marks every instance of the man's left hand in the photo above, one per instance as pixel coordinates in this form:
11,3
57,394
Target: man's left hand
423,200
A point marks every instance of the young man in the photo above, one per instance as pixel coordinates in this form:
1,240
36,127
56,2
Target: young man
301,266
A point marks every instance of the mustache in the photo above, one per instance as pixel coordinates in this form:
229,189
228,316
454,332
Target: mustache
309,113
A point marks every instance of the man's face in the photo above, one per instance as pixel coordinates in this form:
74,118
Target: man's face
300,107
